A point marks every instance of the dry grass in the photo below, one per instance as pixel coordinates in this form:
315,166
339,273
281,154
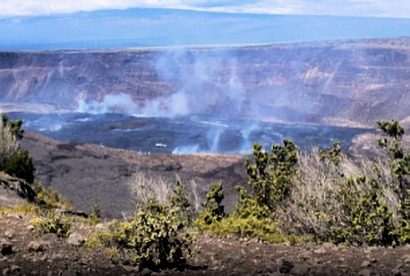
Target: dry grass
317,195
196,200
146,186
8,142
23,209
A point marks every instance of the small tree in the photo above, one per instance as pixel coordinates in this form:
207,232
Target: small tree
19,164
270,173
214,210
400,160
13,159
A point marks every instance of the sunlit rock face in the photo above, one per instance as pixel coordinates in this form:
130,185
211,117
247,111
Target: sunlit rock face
345,83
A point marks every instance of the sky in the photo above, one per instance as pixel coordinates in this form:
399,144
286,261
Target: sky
119,24
365,8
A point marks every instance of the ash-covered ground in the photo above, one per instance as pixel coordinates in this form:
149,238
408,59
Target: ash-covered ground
181,135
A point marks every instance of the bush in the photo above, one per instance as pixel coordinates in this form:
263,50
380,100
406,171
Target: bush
95,216
146,186
352,199
248,219
8,140
156,237
370,220
214,211
270,173
49,199
19,164
180,202
270,178
14,160
57,224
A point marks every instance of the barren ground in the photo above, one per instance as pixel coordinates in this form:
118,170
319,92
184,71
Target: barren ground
48,255
86,174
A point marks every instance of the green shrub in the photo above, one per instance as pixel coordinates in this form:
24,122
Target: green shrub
351,199
332,154
14,160
180,202
95,216
19,164
155,237
369,217
270,173
248,219
49,199
56,224
213,211
270,178
349,203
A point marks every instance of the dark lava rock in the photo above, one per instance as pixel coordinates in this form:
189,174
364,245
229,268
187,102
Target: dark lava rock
285,267
6,248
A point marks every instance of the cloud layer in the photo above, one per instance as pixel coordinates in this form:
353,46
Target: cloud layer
378,8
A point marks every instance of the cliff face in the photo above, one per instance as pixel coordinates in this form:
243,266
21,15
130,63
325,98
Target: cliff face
63,78
337,82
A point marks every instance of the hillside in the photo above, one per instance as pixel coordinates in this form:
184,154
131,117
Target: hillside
88,174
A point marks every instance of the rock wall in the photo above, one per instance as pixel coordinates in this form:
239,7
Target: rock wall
345,83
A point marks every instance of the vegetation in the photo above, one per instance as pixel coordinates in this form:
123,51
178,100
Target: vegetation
352,199
49,199
213,209
14,160
95,216
156,237
19,164
326,195
57,224
270,175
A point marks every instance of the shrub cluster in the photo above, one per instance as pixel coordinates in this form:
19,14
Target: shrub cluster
157,236
56,224
253,216
352,199
324,194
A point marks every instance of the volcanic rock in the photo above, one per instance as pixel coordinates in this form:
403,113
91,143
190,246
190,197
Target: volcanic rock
14,191
90,174
341,82
35,246
6,248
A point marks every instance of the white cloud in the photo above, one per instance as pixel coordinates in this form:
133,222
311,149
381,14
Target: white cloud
385,8
41,7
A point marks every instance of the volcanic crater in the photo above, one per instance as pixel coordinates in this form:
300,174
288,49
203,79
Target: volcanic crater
97,119
155,104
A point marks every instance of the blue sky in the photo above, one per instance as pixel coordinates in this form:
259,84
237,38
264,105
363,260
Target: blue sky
109,24
373,8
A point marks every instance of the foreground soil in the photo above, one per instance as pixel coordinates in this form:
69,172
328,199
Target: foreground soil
24,252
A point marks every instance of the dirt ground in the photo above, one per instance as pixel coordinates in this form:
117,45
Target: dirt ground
23,252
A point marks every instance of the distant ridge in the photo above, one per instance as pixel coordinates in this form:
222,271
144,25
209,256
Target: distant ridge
121,29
